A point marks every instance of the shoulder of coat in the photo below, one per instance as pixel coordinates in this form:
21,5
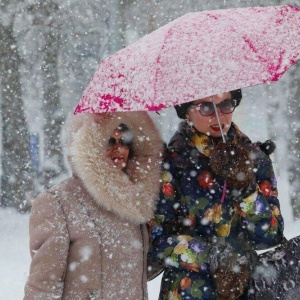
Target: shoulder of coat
58,191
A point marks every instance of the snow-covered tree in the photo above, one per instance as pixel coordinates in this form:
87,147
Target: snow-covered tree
45,16
293,139
16,176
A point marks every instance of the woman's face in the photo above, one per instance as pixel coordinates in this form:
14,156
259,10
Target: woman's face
117,150
209,124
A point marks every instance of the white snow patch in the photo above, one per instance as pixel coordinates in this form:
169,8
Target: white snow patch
83,279
85,253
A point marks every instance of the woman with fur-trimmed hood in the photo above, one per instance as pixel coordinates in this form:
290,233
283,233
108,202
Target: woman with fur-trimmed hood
88,238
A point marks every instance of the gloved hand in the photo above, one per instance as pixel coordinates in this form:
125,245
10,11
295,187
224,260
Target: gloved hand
233,162
230,284
230,271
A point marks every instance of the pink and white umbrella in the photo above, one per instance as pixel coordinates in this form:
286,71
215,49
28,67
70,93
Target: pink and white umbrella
194,56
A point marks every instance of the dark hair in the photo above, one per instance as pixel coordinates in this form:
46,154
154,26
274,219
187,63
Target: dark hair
129,137
237,95
182,109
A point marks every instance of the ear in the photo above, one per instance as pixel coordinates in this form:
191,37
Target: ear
187,117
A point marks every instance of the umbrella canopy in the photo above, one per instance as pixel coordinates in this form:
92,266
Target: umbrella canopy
194,56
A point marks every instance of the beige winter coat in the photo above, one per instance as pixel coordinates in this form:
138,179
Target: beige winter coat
88,237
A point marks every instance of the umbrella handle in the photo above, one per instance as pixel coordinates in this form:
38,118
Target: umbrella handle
219,123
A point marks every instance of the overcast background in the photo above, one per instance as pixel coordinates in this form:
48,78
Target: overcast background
48,52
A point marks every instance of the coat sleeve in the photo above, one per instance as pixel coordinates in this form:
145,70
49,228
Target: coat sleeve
169,246
49,245
259,212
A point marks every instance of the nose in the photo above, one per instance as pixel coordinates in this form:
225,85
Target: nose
217,110
118,147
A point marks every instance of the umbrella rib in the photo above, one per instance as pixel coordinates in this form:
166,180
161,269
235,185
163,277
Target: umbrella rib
218,119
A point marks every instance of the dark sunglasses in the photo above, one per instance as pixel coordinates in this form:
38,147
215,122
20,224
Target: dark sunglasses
207,108
123,142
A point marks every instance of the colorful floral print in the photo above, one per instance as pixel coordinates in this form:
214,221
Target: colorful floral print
190,213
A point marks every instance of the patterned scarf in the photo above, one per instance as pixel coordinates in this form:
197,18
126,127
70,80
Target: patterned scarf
204,143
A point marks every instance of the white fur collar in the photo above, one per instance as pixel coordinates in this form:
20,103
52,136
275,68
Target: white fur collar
131,197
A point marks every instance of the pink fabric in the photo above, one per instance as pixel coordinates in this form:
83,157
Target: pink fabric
197,55
224,192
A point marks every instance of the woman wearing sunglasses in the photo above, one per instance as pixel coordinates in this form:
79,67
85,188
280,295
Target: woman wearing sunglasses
88,234
218,202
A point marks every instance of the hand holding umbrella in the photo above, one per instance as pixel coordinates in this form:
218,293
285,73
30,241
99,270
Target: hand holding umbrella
234,162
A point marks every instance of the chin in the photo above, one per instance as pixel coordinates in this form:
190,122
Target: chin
216,134
121,166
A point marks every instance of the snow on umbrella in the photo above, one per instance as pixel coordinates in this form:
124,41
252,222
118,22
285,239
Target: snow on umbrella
194,56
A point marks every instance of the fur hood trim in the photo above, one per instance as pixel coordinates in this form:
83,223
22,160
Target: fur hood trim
132,196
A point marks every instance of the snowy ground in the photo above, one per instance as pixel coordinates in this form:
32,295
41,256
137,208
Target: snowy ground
14,254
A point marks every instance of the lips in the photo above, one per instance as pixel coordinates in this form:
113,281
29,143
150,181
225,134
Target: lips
118,158
216,127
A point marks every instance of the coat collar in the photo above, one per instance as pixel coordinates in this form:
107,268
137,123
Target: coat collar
188,136
131,196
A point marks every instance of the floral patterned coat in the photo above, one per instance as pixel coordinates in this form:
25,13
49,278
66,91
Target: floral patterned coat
190,213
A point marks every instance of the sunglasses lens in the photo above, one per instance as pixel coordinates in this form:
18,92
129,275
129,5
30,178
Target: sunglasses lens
227,106
111,142
123,142
206,108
